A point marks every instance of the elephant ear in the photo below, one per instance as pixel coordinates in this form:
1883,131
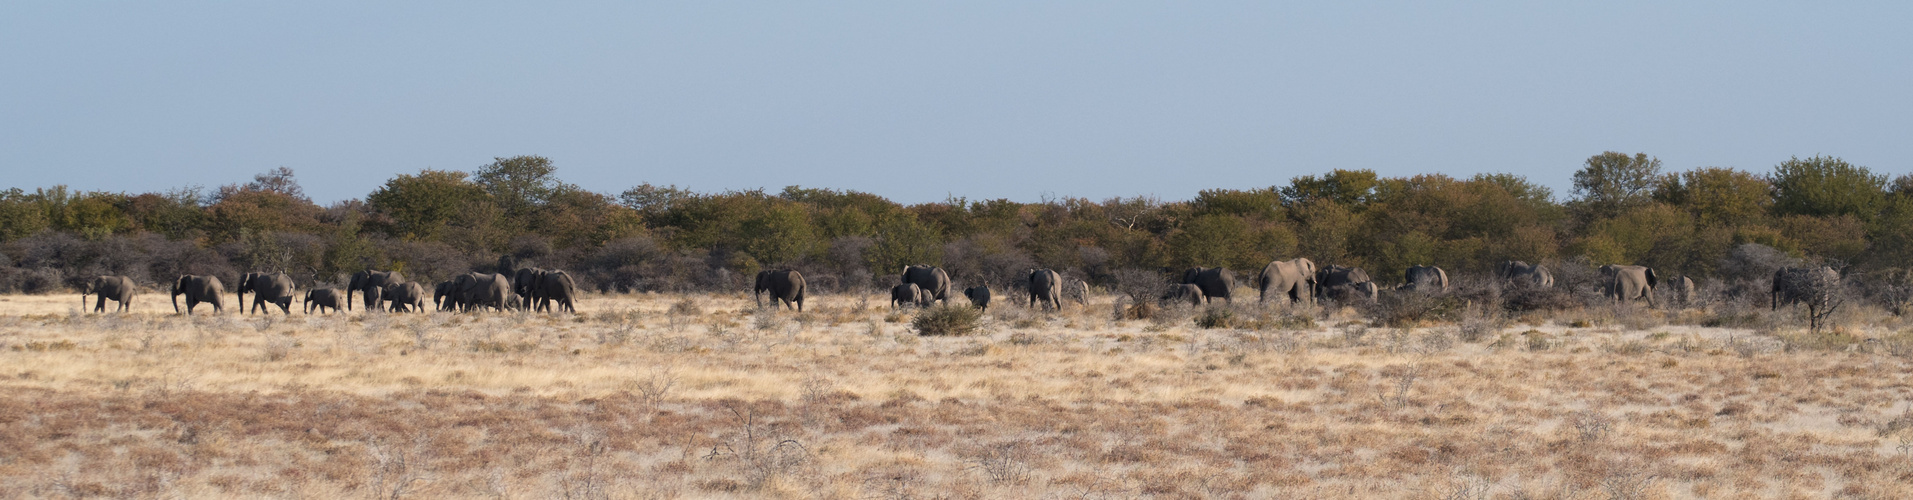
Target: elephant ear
1651,280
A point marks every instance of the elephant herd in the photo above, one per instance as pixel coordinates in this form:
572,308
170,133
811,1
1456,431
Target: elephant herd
526,289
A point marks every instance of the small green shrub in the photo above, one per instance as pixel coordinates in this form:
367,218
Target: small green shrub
947,320
1216,317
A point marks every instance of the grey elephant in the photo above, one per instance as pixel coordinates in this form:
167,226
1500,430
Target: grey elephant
199,289
445,295
979,296
907,294
556,286
1343,283
405,297
367,280
1683,290
477,290
1215,282
1046,288
118,288
318,299
1626,283
1427,279
1183,293
276,289
1293,278
1793,285
785,285
1079,291
1522,273
524,281
930,279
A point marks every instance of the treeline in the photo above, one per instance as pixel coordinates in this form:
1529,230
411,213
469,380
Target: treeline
436,223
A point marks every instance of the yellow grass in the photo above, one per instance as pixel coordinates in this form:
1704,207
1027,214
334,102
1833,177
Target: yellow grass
636,398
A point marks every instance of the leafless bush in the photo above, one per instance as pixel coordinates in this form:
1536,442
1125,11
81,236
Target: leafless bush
1591,426
656,386
762,450
398,468
1002,462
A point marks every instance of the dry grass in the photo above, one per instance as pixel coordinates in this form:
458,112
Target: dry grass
704,396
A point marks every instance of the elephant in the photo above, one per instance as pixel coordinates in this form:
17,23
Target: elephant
477,290
198,289
1626,283
1522,273
276,289
405,297
1429,279
785,285
931,279
556,285
907,294
524,282
367,280
1793,285
320,298
1215,282
1294,278
1080,291
1684,290
118,288
1183,293
1046,288
374,298
445,296
1343,283
979,296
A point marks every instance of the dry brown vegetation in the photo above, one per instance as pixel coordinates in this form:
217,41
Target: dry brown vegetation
660,396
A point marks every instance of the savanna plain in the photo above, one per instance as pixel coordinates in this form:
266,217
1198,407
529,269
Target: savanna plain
709,396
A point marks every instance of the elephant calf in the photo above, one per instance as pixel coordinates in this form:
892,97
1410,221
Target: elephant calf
405,297
118,288
1185,293
322,298
199,289
979,296
907,294
1046,288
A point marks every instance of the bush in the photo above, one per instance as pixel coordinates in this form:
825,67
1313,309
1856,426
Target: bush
947,320
1216,317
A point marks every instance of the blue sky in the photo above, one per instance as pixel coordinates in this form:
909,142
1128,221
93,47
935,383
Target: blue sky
918,101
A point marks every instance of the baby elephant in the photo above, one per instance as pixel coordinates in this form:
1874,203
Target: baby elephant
979,296
906,294
322,298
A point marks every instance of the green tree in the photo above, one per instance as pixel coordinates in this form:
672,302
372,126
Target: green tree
519,184
1718,196
20,215
1610,183
1827,186
1350,188
424,207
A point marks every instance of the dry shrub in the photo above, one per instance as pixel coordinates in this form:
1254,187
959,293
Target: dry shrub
1217,317
947,320
1408,309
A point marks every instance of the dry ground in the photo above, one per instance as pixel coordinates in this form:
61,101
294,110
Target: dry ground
653,396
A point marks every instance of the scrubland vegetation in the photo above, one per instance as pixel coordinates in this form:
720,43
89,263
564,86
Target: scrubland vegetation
704,396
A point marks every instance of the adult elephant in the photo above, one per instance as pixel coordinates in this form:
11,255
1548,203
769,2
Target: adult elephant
1522,273
1684,290
404,297
929,279
1626,283
1429,279
199,289
1215,282
276,289
979,296
1343,283
118,288
907,294
785,285
445,295
558,286
321,298
477,290
1294,278
1183,293
1046,288
1793,285
368,279
525,282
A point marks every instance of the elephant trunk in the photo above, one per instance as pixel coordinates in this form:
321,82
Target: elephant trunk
175,301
